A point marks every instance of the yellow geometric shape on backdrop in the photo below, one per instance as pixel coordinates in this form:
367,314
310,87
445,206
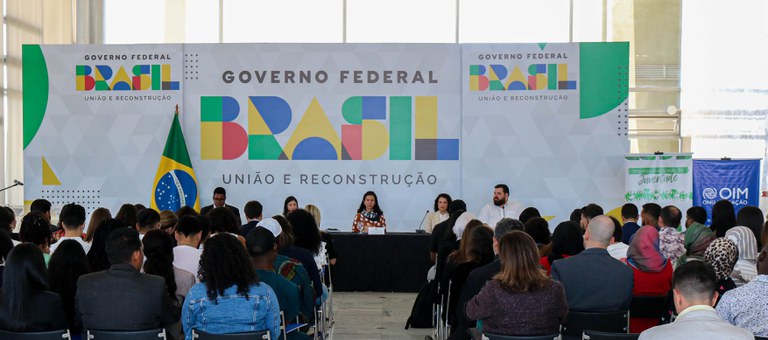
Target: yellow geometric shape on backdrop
49,177
616,213
548,218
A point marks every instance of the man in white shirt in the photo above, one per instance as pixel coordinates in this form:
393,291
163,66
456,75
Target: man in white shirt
72,218
501,207
186,255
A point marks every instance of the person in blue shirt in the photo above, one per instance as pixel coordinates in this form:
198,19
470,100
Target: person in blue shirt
629,218
229,297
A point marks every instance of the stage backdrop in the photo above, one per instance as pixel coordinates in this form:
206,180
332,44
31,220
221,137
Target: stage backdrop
327,122
664,179
737,181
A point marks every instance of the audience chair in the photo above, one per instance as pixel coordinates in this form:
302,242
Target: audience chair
264,335
152,334
51,335
650,307
577,322
492,336
597,335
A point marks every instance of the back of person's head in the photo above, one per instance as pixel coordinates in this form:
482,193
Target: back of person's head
600,230
139,206
305,231
207,227
121,244
6,219
72,216
186,210
315,212
221,249
189,226
24,275
66,265
566,240
97,216
455,205
223,220
260,241
127,214
618,234
752,218
722,254
529,213
723,217
461,255
35,229
253,209
575,216
42,205
591,210
506,225
520,269
158,249
697,214
6,244
97,255
286,237
168,220
671,216
480,250
147,219
651,213
696,282
629,211
538,228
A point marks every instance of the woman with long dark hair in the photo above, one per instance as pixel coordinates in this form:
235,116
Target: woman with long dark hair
723,217
290,205
25,302
229,297
127,214
158,249
752,218
439,212
566,242
369,214
97,216
97,255
67,264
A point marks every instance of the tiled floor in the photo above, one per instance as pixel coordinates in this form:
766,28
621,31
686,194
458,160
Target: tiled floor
368,316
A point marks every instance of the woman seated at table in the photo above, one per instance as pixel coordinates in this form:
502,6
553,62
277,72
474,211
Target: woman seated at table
369,215
290,205
440,213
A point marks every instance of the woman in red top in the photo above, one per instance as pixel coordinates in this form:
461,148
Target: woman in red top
653,272
566,241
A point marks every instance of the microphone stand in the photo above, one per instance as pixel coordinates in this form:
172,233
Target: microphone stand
421,231
10,186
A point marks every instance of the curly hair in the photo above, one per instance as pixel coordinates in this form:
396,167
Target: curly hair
305,230
225,263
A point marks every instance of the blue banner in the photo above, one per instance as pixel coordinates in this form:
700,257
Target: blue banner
735,180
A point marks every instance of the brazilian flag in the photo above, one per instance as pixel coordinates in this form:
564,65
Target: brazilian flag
175,184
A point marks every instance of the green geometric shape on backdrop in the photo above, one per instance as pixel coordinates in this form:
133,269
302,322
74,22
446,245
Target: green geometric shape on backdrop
603,77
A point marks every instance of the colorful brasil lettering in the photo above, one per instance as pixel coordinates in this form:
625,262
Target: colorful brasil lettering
540,77
412,127
144,77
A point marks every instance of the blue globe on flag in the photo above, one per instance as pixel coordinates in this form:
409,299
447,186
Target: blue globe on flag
175,189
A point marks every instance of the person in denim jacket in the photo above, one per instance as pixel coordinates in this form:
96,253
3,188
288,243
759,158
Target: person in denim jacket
229,298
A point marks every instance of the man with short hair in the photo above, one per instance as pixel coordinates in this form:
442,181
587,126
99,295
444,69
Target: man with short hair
593,280
671,242
629,216
44,206
501,207
72,218
695,215
694,295
186,254
121,298
589,212
146,220
253,214
745,307
220,200
650,214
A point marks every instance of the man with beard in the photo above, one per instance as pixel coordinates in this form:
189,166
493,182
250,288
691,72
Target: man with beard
501,208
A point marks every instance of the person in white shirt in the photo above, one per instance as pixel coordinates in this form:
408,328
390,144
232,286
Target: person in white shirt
501,207
617,249
440,212
72,218
186,255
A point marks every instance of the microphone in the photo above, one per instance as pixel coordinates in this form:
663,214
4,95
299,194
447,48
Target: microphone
16,182
421,231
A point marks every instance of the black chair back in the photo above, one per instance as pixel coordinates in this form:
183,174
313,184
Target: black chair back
152,334
50,335
597,335
577,322
200,335
492,336
650,307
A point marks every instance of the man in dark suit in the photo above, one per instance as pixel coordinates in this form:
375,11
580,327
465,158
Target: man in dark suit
253,214
220,200
121,298
593,280
629,218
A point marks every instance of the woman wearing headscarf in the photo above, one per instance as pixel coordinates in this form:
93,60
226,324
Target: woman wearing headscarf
746,266
652,272
722,254
697,239
566,242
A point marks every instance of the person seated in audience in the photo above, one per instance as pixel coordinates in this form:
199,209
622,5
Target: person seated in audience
589,212
330,250
122,298
253,214
478,277
97,255
263,250
650,214
36,229
695,214
229,298
306,236
594,267
529,213
6,244
8,224
97,216
168,223
721,255
521,299
575,216
538,228
697,239
566,242
369,214
694,296
186,255
43,206
158,250
290,205
127,214
440,212
617,249
629,216
292,268
752,218
67,264
146,220
442,229
652,272
25,302
223,221
723,217
745,306
452,243
72,218
671,242
746,266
